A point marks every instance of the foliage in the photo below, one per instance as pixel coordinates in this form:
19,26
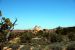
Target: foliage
26,37
55,38
71,47
71,36
2,37
39,34
64,31
42,34
60,30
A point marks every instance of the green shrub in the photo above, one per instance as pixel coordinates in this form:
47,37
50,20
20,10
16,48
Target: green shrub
71,36
2,37
55,38
39,34
71,47
26,37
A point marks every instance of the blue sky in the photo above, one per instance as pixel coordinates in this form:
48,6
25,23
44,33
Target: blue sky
45,13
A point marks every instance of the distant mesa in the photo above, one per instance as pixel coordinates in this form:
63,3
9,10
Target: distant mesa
38,28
